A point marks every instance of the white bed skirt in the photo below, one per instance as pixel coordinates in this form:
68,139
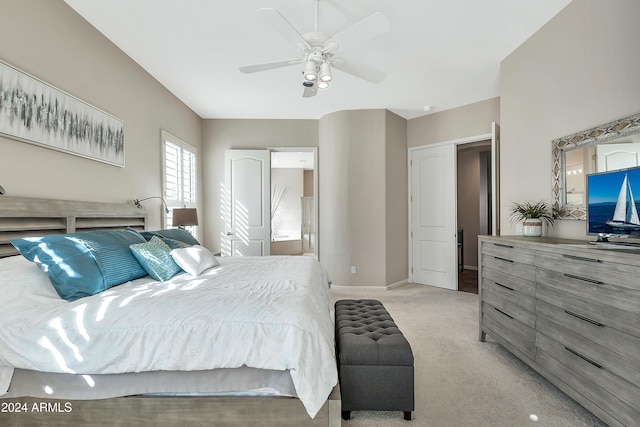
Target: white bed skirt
242,381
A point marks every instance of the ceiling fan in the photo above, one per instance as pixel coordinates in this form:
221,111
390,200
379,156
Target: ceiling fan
319,51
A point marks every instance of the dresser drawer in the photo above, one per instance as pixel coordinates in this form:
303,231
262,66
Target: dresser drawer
591,269
519,262
510,302
510,251
515,268
507,327
613,394
612,305
509,282
610,359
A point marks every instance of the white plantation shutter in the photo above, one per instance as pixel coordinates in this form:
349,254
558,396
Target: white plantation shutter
180,175
188,177
171,159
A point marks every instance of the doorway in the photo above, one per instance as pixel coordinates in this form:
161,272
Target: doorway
435,248
473,208
293,201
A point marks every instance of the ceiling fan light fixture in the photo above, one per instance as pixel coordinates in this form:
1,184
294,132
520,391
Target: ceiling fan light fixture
310,71
317,50
323,84
325,72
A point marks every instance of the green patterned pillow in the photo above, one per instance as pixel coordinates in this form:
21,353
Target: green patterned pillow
155,258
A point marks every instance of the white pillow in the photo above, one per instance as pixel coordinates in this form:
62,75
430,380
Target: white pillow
194,259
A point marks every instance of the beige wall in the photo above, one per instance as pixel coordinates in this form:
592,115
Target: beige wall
49,40
333,196
579,70
365,185
363,205
219,135
457,123
396,176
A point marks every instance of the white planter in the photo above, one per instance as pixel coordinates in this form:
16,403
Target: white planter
532,227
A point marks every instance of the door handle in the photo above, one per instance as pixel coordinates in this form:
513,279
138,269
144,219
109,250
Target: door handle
229,233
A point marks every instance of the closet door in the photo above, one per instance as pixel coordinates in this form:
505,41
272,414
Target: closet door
246,201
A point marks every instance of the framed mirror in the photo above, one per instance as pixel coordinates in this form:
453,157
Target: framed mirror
611,146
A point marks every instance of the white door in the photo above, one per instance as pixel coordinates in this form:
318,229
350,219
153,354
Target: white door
433,216
246,203
617,156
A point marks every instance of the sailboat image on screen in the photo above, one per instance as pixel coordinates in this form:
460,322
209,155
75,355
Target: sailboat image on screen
625,215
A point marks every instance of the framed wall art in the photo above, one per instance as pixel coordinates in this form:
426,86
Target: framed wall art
36,112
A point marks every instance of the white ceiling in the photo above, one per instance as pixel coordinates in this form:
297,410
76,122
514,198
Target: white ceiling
444,53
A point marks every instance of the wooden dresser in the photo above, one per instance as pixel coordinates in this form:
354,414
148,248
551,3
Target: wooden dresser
571,311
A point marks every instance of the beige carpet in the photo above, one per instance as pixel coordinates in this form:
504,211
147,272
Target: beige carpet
460,381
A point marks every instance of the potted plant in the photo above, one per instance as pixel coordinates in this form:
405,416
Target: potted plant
532,215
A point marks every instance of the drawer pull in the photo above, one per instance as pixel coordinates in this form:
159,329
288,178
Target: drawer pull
502,245
500,311
586,319
503,286
503,259
581,258
585,358
584,279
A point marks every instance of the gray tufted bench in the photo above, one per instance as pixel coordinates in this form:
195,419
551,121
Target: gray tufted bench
375,362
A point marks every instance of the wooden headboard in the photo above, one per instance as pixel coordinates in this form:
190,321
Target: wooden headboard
29,217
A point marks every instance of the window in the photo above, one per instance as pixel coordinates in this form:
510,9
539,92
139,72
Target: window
180,176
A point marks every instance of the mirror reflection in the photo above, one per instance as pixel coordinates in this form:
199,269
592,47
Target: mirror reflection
621,153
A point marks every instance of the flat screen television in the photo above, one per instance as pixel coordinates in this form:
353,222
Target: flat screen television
612,207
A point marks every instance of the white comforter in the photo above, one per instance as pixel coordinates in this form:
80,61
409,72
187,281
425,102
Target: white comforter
270,313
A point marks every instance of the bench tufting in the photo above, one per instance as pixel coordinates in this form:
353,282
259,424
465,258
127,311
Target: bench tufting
375,361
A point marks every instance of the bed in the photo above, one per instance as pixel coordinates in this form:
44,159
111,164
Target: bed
130,355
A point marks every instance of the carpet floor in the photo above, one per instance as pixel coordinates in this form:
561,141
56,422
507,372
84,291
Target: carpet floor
460,381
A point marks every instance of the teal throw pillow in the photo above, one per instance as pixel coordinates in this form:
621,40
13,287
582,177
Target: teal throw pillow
155,258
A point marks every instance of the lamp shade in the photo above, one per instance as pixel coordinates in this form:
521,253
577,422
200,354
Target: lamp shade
325,72
185,217
310,71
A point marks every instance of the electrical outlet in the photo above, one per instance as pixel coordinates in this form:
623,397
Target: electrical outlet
519,229
353,269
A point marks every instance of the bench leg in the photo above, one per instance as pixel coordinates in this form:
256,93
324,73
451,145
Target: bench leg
346,415
407,415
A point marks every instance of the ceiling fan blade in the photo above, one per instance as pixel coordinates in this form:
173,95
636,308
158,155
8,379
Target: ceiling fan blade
371,26
359,70
269,66
310,91
281,25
